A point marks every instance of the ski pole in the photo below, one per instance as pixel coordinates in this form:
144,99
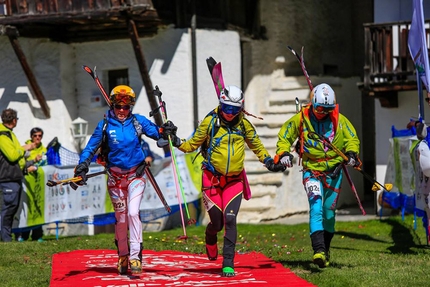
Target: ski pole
178,180
326,142
354,190
52,183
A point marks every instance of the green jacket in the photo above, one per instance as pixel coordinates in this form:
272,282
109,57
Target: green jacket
40,150
315,156
12,154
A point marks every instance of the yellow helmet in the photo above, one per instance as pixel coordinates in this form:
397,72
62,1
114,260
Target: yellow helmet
122,95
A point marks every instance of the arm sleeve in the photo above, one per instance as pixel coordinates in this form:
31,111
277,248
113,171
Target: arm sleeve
351,141
199,136
13,152
287,135
149,128
254,142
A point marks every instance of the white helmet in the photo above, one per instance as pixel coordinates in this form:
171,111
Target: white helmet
323,97
232,96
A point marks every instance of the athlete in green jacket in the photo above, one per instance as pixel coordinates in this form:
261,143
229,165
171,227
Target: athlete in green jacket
321,177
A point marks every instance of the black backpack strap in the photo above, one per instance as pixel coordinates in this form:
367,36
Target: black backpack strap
6,133
104,147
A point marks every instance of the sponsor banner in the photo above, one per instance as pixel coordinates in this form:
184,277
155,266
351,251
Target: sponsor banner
42,204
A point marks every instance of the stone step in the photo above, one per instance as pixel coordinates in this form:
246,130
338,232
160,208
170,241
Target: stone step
266,132
278,109
288,97
261,190
281,82
273,120
262,204
268,179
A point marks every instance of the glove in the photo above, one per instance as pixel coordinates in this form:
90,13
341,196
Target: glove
352,158
286,159
421,130
140,170
272,166
168,128
176,141
81,170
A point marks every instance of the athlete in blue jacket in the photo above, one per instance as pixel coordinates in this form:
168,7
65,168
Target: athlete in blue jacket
118,137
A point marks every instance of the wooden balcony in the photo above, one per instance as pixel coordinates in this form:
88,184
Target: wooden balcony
78,20
388,66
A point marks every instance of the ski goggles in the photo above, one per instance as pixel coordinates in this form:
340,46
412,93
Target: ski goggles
323,110
122,107
230,110
123,99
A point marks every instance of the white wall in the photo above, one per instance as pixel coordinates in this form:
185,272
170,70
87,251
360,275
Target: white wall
68,89
397,10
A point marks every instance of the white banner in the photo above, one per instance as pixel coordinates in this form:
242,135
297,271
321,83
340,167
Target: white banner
61,202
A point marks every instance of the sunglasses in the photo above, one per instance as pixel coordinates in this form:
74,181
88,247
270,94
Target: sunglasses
125,108
323,110
230,110
36,136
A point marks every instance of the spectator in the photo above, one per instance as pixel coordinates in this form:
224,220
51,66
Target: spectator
12,163
36,158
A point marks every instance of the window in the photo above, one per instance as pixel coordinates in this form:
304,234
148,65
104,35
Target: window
117,77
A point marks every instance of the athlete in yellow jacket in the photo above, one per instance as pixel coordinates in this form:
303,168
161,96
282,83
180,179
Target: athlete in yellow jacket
222,135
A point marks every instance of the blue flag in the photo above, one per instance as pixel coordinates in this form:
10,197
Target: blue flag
418,45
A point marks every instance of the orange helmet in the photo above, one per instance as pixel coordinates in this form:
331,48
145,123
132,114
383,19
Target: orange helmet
122,95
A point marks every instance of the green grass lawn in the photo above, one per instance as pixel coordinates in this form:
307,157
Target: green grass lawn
381,253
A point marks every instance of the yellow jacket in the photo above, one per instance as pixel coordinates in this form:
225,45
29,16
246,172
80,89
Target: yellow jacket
226,148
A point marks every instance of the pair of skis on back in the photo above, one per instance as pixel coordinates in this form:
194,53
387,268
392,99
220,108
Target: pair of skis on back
72,181
215,71
178,181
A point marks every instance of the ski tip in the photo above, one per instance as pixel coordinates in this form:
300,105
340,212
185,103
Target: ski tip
87,69
211,64
289,47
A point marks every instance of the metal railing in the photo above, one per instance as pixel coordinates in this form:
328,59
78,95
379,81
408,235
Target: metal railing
388,65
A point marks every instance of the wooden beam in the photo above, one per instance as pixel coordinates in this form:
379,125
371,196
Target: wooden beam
13,38
146,79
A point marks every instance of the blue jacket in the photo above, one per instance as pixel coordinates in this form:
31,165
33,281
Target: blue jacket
125,149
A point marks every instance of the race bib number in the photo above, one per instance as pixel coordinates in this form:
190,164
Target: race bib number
207,202
313,188
119,204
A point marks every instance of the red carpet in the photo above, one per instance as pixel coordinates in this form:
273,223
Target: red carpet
97,268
